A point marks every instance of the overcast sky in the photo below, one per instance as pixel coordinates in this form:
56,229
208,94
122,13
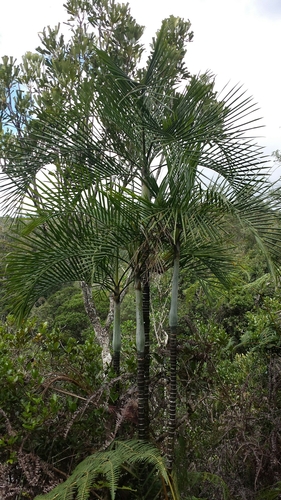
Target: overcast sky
237,40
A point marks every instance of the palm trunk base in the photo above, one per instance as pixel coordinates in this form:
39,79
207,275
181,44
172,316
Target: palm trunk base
173,397
116,363
116,368
142,423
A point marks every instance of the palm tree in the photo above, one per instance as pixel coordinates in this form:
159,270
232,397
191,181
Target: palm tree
86,241
197,232
191,130
148,151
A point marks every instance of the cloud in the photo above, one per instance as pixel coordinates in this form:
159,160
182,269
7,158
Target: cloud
268,8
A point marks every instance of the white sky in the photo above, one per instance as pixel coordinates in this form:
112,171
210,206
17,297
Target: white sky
237,40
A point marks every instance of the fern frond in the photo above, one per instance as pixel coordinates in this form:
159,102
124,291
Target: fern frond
108,465
84,485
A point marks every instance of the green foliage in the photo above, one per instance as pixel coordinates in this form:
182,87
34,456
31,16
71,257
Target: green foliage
228,401
126,197
43,375
105,469
263,332
64,309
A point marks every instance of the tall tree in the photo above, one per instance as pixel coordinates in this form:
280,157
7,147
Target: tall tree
145,145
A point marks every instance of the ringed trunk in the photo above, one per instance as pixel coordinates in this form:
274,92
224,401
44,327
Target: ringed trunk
173,323
140,344
146,318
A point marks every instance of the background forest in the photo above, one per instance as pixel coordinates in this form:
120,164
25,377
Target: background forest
140,265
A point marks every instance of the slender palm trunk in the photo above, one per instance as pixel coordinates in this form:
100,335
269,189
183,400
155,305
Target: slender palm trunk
116,340
143,366
146,318
173,323
140,343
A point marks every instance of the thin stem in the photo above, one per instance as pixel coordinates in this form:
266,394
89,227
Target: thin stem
140,337
116,340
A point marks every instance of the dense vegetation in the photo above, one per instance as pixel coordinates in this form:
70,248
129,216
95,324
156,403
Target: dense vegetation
57,408
140,295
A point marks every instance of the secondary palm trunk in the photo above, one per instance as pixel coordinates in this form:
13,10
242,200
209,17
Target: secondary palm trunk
146,318
140,343
116,340
173,323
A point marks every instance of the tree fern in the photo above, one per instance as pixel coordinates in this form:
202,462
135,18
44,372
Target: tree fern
105,468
